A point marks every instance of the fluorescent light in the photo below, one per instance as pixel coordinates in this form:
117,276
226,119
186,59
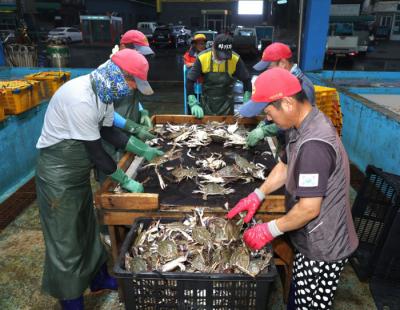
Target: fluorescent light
251,7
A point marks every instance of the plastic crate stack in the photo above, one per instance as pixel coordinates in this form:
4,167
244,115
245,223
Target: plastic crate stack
50,81
327,100
376,214
2,113
19,96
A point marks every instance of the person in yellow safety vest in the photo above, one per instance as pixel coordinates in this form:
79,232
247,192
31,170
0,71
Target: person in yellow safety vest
219,66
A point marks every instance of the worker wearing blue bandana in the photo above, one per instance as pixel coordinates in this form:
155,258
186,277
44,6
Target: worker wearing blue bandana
129,114
79,115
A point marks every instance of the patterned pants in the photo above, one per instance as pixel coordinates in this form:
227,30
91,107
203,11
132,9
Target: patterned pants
315,282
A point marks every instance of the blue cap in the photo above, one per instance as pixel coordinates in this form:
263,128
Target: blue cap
261,65
252,108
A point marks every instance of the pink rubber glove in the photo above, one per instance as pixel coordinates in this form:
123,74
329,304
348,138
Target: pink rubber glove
250,204
258,236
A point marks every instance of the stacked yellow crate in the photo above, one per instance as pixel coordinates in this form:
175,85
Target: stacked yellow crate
327,100
37,94
2,114
51,81
19,96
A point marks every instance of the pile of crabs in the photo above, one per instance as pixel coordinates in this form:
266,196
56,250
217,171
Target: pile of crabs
198,244
211,172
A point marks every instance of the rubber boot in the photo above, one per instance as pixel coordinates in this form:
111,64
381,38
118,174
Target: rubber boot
103,281
72,304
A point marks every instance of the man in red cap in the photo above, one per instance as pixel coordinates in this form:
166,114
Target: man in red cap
130,107
80,114
316,177
275,55
135,39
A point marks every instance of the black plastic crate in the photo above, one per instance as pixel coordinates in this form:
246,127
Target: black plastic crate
194,291
375,213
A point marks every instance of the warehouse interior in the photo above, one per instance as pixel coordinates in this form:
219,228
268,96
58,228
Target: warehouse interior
129,128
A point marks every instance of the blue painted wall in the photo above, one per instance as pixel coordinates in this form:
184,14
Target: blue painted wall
18,137
371,133
314,38
370,137
355,75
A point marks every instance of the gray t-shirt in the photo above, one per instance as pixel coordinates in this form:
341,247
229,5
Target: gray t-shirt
314,165
74,113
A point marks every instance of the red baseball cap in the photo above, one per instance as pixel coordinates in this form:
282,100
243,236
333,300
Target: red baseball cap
135,64
270,86
139,40
274,52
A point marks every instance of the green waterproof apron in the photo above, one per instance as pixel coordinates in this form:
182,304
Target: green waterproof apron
74,252
217,97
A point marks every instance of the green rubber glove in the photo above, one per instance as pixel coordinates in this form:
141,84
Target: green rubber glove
138,130
260,132
145,120
126,182
246,96
195,107
140,148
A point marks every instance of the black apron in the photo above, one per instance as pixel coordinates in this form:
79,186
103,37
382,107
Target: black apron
217,96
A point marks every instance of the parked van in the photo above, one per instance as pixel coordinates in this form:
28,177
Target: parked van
147,28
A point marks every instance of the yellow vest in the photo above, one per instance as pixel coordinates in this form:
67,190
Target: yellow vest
205,60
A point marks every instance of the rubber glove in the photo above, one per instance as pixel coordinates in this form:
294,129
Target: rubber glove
260,132
145,120
126,182
246,96
140,148
251,203
138,130
260,235
195,107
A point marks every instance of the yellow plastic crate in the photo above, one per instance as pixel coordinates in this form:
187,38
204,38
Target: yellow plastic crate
17,96
2,113
327,100
51,81
37,92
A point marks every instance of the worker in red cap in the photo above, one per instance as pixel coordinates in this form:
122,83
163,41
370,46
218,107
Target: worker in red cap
275,55
198,45
134,39
130,107
79,115
130,116
316,176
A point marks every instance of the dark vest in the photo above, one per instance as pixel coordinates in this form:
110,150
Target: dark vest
331,236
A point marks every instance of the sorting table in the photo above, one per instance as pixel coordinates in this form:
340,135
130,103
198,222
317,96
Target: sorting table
118,210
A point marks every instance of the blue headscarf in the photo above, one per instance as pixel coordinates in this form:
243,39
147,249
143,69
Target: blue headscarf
109,83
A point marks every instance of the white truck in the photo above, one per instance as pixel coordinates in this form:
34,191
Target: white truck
147,28
341,41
